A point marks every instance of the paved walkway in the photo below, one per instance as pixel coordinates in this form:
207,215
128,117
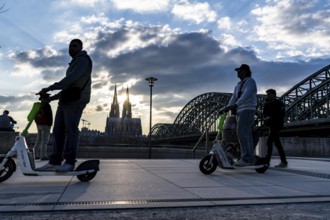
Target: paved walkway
126,183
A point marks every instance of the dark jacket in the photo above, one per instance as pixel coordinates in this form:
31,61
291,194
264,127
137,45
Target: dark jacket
275,110
6,122
78,74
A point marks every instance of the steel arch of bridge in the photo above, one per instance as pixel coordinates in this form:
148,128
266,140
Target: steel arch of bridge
197,116
307,100
200,113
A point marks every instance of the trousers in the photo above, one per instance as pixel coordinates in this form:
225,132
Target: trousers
66,133
274,137
43,135
245,121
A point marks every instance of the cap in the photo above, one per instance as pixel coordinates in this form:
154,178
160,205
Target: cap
244,67
6,112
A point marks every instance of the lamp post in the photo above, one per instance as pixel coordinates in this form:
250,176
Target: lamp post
151,81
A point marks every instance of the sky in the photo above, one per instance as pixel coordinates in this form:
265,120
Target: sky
191,47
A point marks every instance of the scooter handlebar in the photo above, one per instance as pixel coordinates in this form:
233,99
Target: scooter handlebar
44,96
223,110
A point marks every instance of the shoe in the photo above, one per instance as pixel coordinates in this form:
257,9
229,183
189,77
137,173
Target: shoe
47,167
242,163
282,165
65,168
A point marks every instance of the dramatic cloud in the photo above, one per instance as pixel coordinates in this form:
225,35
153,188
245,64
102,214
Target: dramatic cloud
294,27
192,47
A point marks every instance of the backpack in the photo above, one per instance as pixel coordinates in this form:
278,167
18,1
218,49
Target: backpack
41,117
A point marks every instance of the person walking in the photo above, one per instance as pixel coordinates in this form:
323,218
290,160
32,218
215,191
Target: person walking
44,121
74,96
6,122
274,112
243,103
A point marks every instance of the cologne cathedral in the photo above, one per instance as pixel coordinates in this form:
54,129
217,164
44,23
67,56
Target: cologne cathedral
124,128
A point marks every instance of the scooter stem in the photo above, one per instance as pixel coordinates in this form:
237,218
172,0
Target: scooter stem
35,108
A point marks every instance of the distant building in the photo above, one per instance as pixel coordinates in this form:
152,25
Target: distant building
124,128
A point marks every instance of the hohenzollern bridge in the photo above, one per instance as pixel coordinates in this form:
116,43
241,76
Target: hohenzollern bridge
307,110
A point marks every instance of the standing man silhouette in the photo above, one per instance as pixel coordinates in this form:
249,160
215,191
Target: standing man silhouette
274,112
74,96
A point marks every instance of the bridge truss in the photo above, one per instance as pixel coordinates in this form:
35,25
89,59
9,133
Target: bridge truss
198,115
307,100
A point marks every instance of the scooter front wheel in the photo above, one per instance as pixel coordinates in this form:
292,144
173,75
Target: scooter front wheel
206,166
7,170
86,177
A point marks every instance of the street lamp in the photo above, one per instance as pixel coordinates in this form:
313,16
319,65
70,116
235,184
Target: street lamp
151,81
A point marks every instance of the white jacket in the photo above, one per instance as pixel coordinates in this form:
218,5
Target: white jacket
248,98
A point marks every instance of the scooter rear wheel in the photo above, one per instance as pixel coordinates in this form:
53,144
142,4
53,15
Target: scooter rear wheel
262,169
88,165
265,162
8,169
206,166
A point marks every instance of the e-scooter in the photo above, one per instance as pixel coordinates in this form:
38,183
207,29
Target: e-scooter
85,171
226,153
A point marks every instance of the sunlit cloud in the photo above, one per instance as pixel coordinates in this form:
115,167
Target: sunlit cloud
80,3
197,12
149,6
293,25
25,70
224,23
229,41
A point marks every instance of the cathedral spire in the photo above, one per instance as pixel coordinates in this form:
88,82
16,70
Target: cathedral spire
114,111
127,107
127,94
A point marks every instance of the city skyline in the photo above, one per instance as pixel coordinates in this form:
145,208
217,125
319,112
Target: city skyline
192,47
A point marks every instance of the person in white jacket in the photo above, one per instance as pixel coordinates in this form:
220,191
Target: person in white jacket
244,103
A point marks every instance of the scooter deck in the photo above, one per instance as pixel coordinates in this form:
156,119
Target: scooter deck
251,167
246,167
54,173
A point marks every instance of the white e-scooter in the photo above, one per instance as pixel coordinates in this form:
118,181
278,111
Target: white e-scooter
85,171
225,153
219,157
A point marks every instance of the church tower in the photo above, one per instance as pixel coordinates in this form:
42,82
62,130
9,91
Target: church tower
127,107
114,111
124,129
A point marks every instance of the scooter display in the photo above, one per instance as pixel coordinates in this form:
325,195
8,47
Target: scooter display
86,171
226,152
